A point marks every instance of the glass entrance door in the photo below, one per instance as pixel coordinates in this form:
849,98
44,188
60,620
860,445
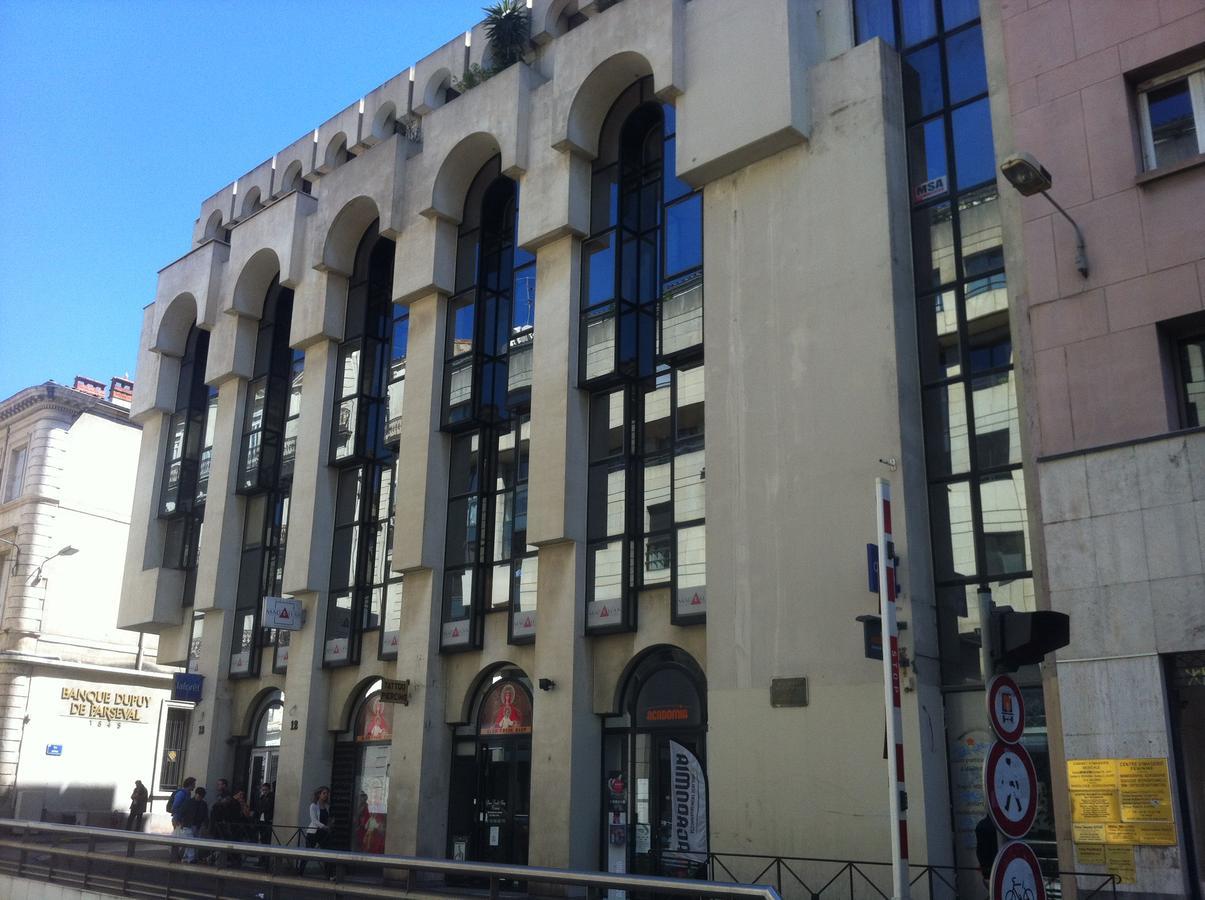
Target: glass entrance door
264,764
669,806
504,789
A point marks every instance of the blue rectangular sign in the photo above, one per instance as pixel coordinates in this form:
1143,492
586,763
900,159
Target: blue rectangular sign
872,567
54,749
187,686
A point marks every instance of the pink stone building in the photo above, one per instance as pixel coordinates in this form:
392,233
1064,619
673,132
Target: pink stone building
1109,95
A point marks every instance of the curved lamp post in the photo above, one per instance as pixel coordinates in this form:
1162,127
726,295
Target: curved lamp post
1030,177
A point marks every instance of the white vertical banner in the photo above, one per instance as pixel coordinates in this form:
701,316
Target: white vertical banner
688,801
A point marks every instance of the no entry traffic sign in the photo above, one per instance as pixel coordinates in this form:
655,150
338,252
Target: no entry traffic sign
1012,788
1016,875
1005,709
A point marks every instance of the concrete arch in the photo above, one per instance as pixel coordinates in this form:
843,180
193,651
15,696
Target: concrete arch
433,90
348,227
253,282
477,689
178,317
457,172
595,96
384,123
553,24
291,179
252,202
213,227
336,153
683,656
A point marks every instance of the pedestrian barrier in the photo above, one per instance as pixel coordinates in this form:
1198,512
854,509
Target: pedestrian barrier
138,865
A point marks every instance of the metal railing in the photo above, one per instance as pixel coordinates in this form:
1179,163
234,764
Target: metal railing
135,864
819,878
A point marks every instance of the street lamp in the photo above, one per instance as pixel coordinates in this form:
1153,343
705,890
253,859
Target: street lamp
36,578
1030,177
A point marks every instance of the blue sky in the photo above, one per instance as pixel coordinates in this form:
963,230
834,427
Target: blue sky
120,117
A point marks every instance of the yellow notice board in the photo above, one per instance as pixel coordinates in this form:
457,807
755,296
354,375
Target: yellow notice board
1090,854
1156,834
1088,834
1146,794
1095,806
1119,861
1121,802
1092,774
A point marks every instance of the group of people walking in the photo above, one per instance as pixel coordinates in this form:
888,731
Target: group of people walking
232,818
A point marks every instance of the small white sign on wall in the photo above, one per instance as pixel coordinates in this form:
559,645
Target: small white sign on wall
284,613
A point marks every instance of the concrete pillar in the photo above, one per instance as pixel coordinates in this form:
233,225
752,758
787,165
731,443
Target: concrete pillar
305,751
420,758
421,754
210,756
566,737
14,694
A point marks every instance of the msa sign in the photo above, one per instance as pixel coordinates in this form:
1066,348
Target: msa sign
283,613
936,187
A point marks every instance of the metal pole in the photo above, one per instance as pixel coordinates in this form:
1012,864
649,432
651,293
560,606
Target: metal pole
897,798
985,634
1081,253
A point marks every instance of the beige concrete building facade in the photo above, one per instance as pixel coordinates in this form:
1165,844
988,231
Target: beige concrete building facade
443,371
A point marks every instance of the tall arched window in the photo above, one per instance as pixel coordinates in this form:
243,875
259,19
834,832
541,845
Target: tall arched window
488,564
364,590
654,790
186,464
266,474
642,361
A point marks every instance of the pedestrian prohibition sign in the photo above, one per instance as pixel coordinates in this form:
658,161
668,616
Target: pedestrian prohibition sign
1015,874
1012,788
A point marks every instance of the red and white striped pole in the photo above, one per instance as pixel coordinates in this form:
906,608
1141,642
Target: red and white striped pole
898,801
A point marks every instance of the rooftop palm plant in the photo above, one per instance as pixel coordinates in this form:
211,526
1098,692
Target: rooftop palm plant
507,27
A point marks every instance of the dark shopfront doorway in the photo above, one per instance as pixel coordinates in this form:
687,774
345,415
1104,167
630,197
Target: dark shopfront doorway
491,777
1186,699
655,817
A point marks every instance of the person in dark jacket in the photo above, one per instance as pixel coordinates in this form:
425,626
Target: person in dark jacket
194,817
986,842
263,809
138,801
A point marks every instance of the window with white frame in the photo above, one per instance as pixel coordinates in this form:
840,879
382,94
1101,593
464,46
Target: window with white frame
1171,109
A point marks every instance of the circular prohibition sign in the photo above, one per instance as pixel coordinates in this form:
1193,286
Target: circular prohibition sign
1016,875
1012,788
1005,709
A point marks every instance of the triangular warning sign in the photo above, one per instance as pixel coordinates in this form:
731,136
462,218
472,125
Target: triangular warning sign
696,600
455,632
527,622
604,614
282,613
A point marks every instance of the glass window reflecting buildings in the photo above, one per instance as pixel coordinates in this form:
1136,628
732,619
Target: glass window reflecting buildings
641,360
488,564
365,592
